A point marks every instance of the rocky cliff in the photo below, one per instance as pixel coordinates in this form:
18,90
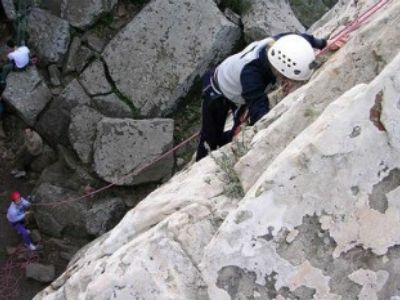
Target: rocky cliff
303,205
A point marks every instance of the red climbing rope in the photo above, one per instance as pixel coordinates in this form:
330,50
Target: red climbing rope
354,24
343,33
14,264
121,179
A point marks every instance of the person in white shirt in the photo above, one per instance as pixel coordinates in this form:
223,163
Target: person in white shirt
18,59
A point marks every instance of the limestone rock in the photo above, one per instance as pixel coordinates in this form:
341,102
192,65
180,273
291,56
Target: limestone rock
82,14
49,36
264,18
94,80
54,74
123,145
371,48
111,106
155,58
328,188
27,94
82,131
104,215
69,65
41,273
54,122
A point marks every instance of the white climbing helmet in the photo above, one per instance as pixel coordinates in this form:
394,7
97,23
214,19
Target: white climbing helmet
292,56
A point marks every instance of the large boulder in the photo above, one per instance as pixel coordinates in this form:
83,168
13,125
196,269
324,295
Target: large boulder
48,35
57,219
124,145
104,215
155,58
264,18
82,131
82,14
27,94
54,122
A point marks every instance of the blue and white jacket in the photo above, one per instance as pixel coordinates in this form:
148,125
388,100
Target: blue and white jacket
16,212
243,77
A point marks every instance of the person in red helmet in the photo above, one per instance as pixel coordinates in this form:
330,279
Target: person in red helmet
16,216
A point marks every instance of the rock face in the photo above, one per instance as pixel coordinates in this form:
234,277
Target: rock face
82,14
56,220
9,9
94,79
153,60
104,215
111,106
54,122
310,211
27,94
82,131
123,145
49,36
41,273
265,18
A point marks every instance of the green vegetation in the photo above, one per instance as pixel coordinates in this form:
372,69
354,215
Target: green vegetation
233,187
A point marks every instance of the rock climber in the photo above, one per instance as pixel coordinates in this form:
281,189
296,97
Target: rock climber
243,78
18,59
32,148
16,216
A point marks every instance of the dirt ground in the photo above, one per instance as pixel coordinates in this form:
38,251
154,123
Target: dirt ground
24,288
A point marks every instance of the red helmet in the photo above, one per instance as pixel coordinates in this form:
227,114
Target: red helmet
14,196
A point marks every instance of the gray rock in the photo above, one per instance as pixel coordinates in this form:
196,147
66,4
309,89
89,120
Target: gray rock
54,6
94,80
54,122
155,58
82,131
55,75
69,65
83,14
111,106
55,219
232,16
264,18
104,215
124,145
49,36
95,42
310,11
41,273
27,94
9,9
82,58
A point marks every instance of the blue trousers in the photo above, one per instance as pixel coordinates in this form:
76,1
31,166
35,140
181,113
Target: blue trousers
23,232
